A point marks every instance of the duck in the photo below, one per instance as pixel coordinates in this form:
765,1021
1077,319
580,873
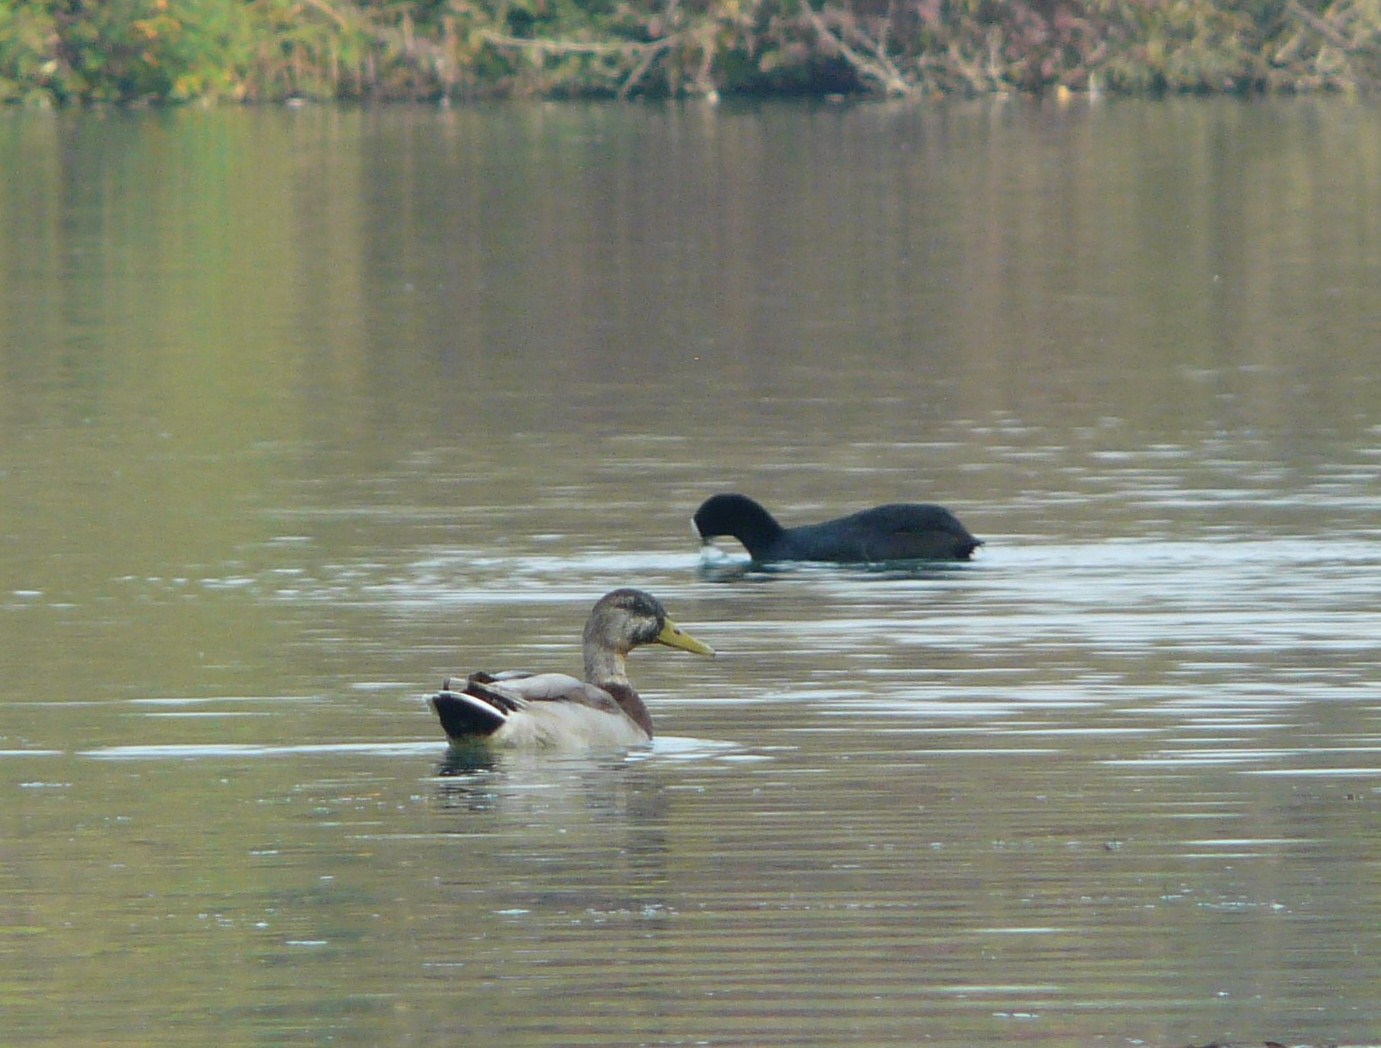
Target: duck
542,711
898,531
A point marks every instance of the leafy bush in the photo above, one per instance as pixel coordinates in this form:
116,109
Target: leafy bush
136,51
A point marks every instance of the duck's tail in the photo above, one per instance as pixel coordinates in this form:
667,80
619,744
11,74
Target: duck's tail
474,711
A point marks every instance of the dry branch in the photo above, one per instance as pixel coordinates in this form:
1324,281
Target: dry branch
650,51
556,47
878,68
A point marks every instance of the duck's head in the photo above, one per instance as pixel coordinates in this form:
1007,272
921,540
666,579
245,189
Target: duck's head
622,620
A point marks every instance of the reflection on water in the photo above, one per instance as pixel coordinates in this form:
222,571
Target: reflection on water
302,412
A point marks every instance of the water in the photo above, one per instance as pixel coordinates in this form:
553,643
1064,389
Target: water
303,411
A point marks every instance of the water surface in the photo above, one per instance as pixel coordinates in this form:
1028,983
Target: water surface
302,411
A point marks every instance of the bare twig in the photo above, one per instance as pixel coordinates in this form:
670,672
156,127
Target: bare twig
556,47
327,10
1357,50
968,70
1321,26
879,68
650,51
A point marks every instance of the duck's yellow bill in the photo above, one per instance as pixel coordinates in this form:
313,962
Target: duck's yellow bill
674,637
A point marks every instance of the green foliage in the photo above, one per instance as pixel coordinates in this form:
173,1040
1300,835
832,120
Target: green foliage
120,51
139,51
1182,45
27,65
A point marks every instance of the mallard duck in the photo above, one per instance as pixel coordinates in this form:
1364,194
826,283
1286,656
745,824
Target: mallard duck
900,531
555,710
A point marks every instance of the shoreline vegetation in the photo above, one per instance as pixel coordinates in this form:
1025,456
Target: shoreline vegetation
144,52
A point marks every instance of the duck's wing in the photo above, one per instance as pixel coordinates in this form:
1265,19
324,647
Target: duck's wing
485,702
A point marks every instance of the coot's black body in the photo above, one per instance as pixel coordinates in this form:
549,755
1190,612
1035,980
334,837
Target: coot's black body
900,531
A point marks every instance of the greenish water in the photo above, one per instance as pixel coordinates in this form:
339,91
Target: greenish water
302,411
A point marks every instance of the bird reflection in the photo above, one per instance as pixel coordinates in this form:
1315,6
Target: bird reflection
611,787
466,761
